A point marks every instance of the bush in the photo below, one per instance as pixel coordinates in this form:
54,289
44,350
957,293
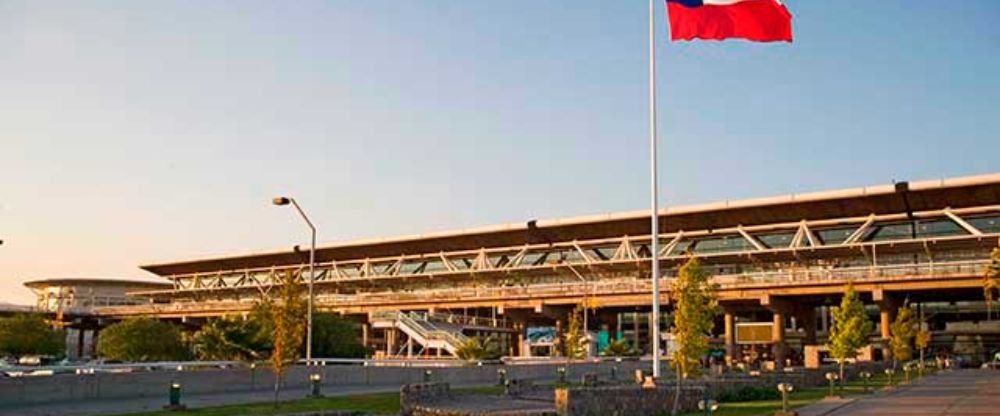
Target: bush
748,394
29,334
142,339
335,336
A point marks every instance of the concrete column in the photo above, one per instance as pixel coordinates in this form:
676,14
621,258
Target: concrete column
79,342
807,316
778,339
886,314
522,348
364,334
390,341
409,347
730,338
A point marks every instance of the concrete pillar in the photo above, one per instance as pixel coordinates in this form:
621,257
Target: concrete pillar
522,347
807,316
886,314
409,347
364,334
730,338
390,342
79,342
778,346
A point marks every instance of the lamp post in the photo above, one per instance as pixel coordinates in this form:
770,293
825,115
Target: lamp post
865,376
314,381
831,377
281,201
785,389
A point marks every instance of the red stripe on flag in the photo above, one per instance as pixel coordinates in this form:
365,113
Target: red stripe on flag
755,20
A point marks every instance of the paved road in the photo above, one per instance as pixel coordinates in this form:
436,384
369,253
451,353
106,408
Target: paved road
960,392
109,407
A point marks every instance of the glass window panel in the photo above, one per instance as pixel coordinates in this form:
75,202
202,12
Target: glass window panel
986,224
777,240
722,244
681,247
435,266
900,231
834,235
938,228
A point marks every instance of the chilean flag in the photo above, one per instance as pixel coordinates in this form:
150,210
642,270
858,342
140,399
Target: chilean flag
755,20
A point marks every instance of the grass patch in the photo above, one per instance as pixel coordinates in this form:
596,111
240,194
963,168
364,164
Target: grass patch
800,398
379,403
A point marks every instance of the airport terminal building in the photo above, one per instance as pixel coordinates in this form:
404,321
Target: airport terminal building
780,264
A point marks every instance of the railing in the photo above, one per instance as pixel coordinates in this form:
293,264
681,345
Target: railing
428,331
632,285
604,287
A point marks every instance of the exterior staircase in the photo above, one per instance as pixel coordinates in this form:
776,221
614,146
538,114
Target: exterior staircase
424,331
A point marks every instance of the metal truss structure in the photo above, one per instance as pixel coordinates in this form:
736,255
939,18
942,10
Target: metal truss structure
867,242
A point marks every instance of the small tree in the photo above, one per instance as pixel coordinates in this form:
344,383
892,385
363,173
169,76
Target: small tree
990,277
142,339
850,330
29,334
903,330
695,307
479,349
288,316
575,338
619,348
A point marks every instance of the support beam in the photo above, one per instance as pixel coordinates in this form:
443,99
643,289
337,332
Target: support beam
961,222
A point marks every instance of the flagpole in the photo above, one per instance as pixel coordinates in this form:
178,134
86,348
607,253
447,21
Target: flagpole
654,221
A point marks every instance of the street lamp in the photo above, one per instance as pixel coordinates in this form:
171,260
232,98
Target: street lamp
281,201
785,389
832,378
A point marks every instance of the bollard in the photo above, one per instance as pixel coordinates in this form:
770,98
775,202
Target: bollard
501,376
428,375
315,379
906,374
865,376
707,404
889,373
614,372
253,376
175,398
832,378
561,371
785,389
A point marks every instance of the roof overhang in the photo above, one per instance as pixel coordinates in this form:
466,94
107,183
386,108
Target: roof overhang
883,199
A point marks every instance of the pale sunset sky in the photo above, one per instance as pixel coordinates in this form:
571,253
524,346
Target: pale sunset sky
142,131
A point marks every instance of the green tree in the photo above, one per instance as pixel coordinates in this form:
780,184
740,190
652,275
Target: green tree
479,349
990,277
335,336
575,340
230,338
142,339
29,334
287,315
850,330
903,330
695,308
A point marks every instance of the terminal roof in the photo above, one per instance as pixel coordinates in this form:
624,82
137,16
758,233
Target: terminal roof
854,202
